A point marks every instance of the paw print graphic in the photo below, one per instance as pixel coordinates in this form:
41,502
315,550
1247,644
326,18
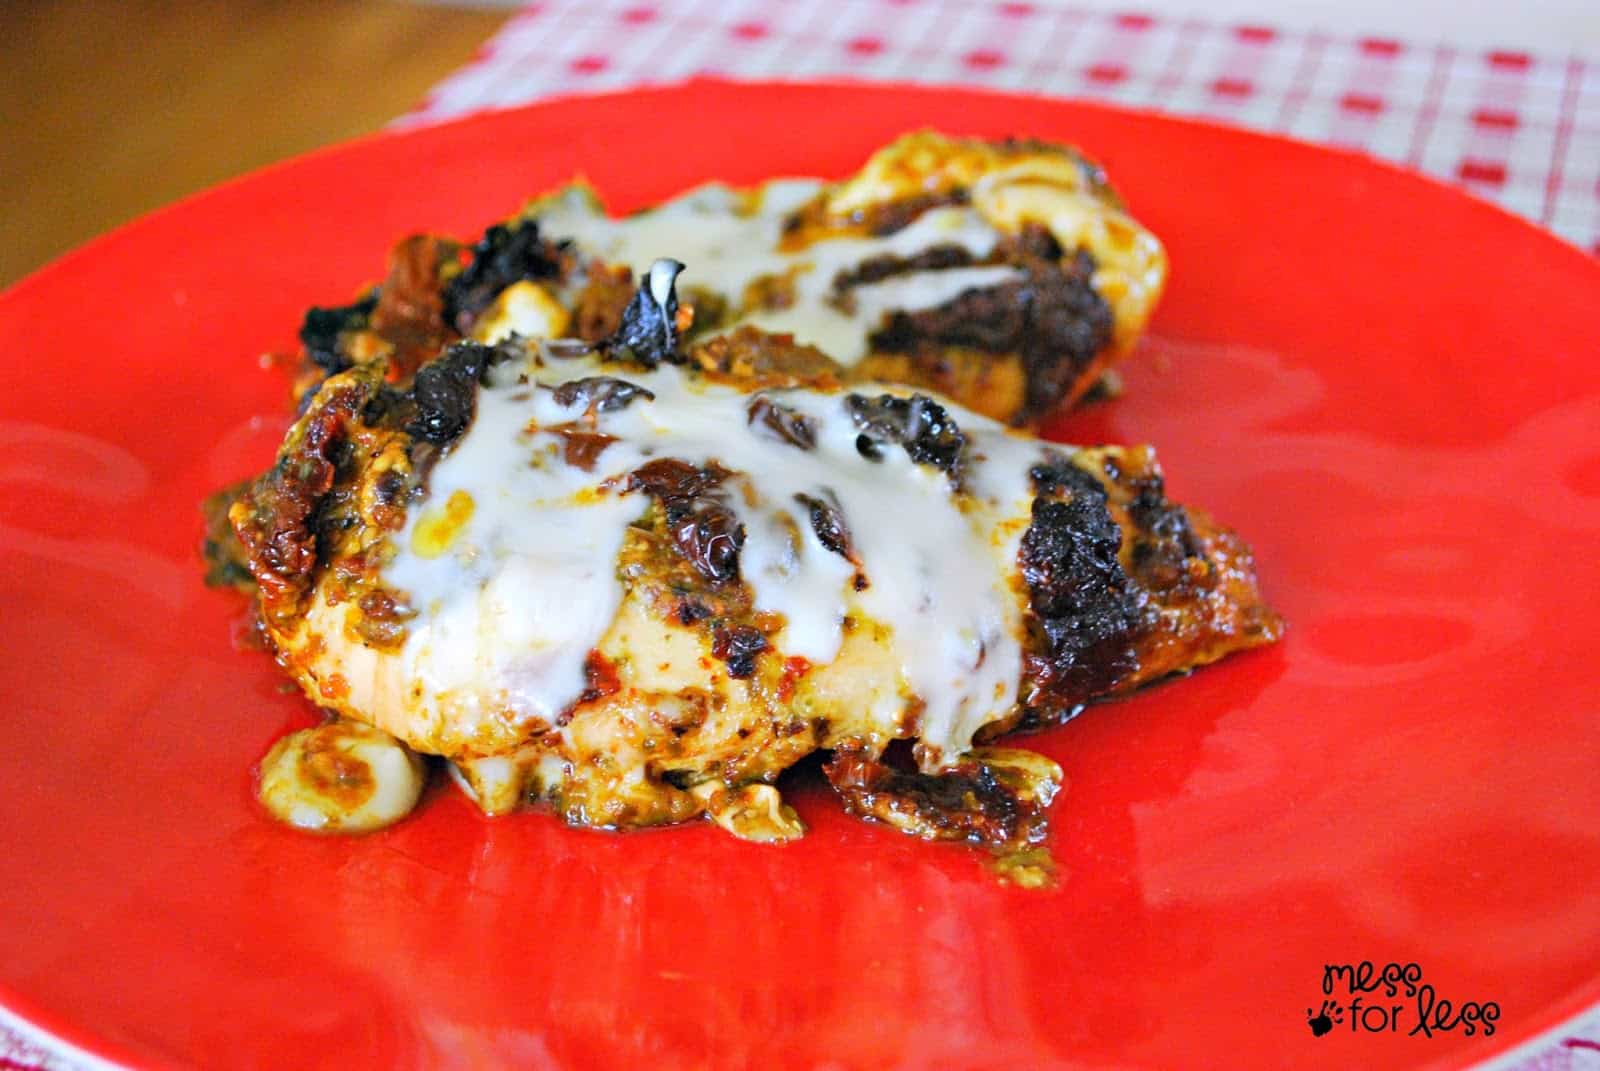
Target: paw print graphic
1323,1021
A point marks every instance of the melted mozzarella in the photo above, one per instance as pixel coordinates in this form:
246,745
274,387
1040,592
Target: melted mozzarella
509,611
706,227
728,245
528,584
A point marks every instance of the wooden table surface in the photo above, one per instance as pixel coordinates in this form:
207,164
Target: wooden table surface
109,109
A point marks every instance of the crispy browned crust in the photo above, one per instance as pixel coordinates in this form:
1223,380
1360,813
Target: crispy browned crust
1016,351
979,802
321,515
1125,586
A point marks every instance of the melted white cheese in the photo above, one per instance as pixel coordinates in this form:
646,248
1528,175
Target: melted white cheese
727,248
528,587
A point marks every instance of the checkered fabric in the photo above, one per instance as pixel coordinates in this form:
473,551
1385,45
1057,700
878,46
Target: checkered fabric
1521,130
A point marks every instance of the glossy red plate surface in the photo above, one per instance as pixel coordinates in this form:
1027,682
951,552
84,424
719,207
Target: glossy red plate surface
1390,389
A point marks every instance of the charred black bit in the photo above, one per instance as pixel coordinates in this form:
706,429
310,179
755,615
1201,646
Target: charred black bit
828,523
790,425
1082,601
702,526
1069,555
504,255
738,647
649,331
446,391
389,407
879,218
600,394
1035,240
970,802
322,328
1057,475
1052,318
875,269
1163,538
918,423
884,218
1152,512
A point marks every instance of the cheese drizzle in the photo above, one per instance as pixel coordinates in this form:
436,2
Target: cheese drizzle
509,612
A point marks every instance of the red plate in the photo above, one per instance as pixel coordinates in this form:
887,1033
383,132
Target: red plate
1389,388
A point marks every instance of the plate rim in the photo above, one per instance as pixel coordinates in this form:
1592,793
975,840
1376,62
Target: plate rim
400,129
79,1040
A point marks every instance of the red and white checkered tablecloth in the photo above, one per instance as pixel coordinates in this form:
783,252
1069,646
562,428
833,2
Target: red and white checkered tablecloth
1520,129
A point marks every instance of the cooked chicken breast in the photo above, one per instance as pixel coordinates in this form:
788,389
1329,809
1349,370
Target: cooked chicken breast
1004,275
638,579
